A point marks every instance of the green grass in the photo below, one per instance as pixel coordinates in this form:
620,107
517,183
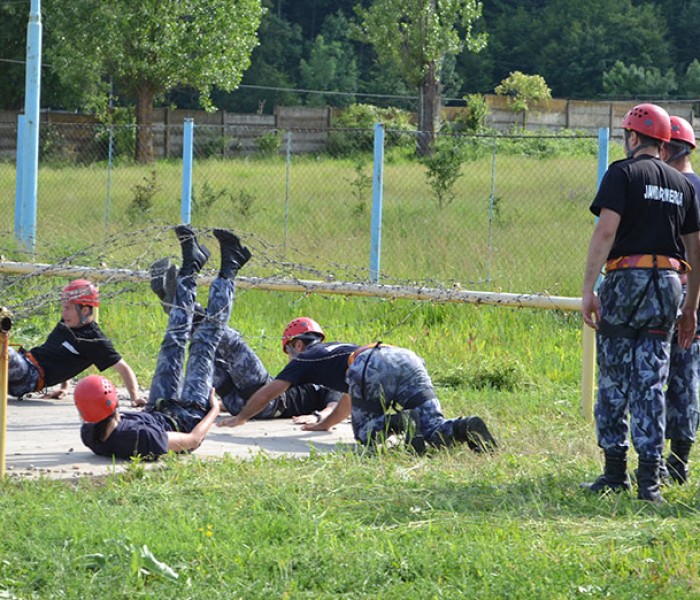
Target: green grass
351,525
448,525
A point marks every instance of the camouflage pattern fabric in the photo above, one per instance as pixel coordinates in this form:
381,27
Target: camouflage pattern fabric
632,371
387,375
186,399
246,373
682,392
22,376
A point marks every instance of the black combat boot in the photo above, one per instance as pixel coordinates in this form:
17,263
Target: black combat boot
164,281
194,254
614,478
677,461
407,422
473,430
233,254
648,482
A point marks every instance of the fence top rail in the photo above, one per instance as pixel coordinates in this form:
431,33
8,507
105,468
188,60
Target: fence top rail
298,285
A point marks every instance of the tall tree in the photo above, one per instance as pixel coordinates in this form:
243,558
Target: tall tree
147,47
415,36
331,64
274,67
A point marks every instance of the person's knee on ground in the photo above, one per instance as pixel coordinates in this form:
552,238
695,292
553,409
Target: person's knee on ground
405,423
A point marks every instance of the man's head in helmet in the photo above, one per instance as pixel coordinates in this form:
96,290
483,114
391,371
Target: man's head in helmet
299,334
78,299
677,151
646,126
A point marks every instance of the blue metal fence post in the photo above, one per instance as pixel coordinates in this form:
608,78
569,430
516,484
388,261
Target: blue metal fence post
28,168
589,345
377,199
19,197
187,143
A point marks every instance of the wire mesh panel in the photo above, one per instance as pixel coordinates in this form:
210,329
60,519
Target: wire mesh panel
502,212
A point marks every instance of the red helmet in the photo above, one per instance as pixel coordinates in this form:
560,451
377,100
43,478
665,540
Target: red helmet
650,120
81,291
96,398
299,327
682,131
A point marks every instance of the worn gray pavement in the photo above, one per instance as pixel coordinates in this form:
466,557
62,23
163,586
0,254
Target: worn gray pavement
43,440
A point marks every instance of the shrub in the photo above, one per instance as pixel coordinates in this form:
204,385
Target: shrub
354,129
523,90
142,201
269,144
444,168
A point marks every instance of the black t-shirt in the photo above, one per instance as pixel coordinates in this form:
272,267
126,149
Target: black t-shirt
68,352
324,364
136,434
656,203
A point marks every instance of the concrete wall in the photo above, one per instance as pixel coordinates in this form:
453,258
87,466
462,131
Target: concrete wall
231,134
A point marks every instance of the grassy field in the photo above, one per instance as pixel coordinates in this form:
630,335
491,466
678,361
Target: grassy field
349,524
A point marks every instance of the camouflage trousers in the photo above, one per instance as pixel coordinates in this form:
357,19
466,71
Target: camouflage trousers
241,372
389,377
633,364
682,392
183,394
22,376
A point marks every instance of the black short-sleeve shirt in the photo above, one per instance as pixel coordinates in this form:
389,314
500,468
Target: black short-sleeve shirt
137,434
68,352
324,364
656,203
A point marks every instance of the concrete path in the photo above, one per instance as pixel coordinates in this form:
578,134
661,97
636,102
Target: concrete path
43,440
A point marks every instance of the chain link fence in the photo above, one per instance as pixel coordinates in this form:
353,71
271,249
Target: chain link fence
490,212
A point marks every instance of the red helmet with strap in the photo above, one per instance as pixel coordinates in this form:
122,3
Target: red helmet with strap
96,398
682,131
81,291
299,327
649,120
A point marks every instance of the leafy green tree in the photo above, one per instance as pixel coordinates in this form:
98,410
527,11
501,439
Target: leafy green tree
274,67
415,36
147,47
578,41
523,90
690,85
636,82
331,65
14,18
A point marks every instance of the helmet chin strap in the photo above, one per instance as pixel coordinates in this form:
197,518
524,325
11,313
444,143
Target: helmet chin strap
81,316
632,151
678,155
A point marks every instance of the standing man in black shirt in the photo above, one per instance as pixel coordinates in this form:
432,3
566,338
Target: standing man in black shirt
648,221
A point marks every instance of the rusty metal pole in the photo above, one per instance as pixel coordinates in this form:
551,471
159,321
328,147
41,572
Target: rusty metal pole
5,326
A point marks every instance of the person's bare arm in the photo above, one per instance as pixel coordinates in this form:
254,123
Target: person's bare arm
598,250
57,394
687,324
130,382
339,413
183,442
257,402
315,417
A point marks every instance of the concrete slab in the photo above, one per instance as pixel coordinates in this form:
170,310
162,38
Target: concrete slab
43,440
